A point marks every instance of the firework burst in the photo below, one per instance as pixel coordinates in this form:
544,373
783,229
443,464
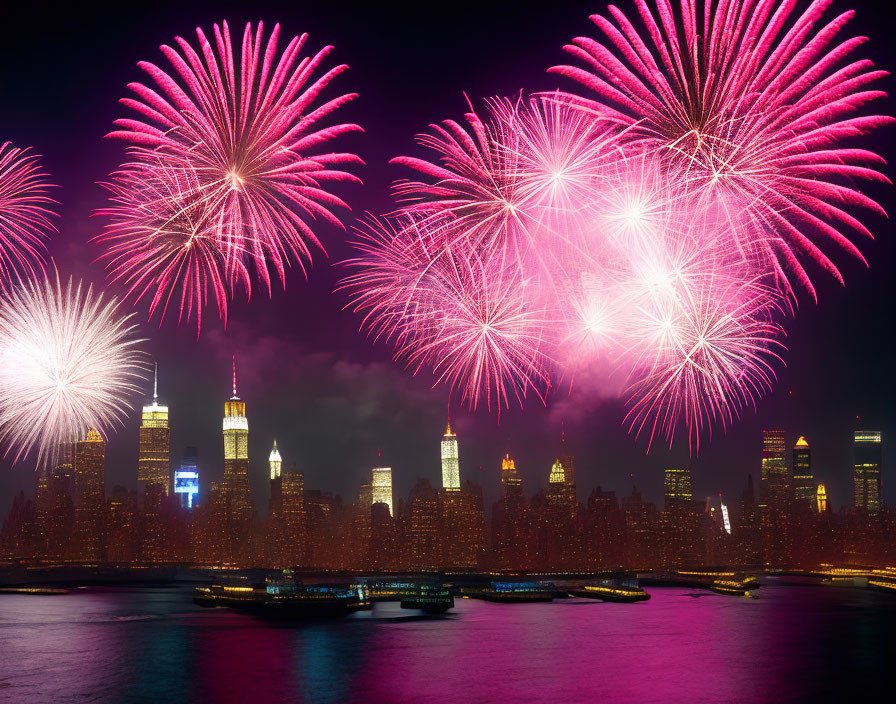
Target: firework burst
25,215
161,241
251,130
69,363
757,105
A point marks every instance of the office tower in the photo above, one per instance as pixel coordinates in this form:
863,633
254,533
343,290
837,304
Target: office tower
509,519
186,479
274,460
154,460
90,492
557,475
462,531
292,500
680,520
511,484
423,526
236,451
774,495
821,499
803,481
773,489
122,526
677,483
866,479
726,521
450,461
381,487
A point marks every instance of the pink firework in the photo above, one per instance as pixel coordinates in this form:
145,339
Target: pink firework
161,242
467,317
252,130
25,214
757,105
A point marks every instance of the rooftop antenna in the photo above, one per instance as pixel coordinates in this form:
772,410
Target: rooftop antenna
155,384
234,377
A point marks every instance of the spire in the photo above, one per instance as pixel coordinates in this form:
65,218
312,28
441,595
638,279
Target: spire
234,377
563,435
448,432
155,384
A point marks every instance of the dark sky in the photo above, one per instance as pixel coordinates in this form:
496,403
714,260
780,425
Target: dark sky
329,395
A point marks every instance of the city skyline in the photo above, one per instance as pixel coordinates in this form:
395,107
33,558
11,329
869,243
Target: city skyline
780,461
329,395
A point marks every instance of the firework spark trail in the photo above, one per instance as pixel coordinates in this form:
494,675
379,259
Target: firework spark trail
69,363
758,104
251,130
161,242
25,214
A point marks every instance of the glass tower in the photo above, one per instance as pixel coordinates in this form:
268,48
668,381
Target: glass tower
866,477
803,481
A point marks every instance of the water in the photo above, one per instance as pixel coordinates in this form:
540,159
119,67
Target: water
812,643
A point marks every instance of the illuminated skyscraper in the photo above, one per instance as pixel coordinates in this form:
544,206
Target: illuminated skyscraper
154,460
866,477
774,483
803,481
186,479
774,494
236,451
90,491
450,461
677,484
821,498
275,461
511,484
381,487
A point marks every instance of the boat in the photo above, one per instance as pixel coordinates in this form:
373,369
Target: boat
514,592
285,597
431,598
734,587
623,591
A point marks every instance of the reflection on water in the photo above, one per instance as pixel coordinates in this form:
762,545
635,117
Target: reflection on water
818,643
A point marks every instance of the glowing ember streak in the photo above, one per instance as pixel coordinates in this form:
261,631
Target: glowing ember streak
756,105
69,363
25,215
161,242
251,130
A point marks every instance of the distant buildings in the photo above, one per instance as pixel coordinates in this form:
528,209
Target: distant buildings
443,528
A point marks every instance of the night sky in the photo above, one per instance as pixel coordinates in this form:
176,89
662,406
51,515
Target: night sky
332,397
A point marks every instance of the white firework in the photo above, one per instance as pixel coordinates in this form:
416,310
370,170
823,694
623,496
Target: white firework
69,363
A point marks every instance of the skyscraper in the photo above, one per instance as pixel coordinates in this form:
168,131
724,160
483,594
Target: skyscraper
774,492
236,451
803,481
821,498
450,460
275,461
381,487
677,487
90,491
154,459
511,484
773,489
186,479
866,477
